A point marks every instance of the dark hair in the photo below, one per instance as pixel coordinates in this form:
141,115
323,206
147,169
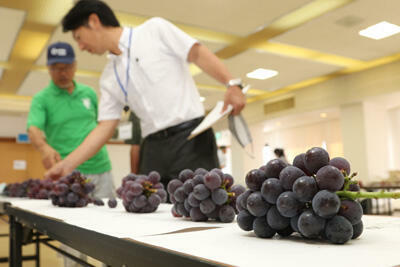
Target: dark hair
78,15
279,152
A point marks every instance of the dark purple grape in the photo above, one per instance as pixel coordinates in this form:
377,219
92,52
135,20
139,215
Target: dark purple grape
287,204
354,187
179,194
243,199
274,168
357,230
226,214
227,180
180,208
173,185
185,175
207,206
305,188
188,186
338,230
219,196
245,220
285,232
298,162
162,194
326,204
294,223
329,178
256,205
214,215
197,216
201,192
200,171
98,202
194,202
140,201
187,205
254,179
174,211
154,200
276,220
212,180
72,197
262,229
341,163
219,172
154,177
237,189
198,179
112,202
351,210
271,189
315,159
310,224
136,189
289,175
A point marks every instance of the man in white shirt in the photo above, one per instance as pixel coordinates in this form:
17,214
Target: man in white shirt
148,72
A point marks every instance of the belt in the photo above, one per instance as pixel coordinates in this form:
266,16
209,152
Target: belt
170,131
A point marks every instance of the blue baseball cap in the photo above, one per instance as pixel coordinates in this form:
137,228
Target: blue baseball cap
60,53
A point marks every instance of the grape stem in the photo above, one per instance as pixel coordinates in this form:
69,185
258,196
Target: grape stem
355,195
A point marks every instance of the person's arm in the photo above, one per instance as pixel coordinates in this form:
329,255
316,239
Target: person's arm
89,147
213,66
49,156
135,152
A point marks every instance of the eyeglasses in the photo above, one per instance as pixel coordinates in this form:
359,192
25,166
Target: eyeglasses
66,68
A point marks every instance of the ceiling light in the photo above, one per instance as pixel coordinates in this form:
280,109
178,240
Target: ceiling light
381,30
202,99
262,74
323,115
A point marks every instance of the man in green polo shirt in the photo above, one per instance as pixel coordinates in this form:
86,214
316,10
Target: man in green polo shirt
63,114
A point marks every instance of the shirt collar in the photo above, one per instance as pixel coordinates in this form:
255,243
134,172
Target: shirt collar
123,42
57,90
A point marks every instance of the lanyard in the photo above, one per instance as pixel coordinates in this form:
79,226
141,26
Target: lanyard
124,88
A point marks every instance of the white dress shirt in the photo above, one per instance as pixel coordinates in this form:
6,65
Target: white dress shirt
161,90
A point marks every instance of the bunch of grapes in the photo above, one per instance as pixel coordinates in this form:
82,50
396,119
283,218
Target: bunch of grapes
311,197
72,191
141,193
39,189
32,188
203,195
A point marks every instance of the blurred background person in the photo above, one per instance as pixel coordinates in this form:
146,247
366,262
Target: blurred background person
280,154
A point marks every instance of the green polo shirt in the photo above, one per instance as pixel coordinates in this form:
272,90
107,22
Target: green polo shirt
66,119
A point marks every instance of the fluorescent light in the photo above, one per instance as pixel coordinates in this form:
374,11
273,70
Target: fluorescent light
202,99
380,30
262,74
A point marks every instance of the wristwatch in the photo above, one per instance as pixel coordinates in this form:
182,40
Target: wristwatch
235,82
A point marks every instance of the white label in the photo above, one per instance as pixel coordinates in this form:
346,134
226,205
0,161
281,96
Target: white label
19,165
125,131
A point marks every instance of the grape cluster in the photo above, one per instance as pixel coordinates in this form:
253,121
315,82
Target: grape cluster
203,195
71,190
141,193
32,188
302,198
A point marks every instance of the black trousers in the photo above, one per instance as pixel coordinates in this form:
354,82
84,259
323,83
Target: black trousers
169,154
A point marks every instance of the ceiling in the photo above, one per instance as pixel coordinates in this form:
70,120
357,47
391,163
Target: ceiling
305,41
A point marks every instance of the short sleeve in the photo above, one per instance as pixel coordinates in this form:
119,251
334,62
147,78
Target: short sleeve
177,41
37,113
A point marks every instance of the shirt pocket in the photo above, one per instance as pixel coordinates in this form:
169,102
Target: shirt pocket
153,68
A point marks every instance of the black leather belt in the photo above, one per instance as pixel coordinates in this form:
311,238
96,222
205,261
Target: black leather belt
175,129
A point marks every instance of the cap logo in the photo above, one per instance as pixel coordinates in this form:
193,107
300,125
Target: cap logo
58,52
